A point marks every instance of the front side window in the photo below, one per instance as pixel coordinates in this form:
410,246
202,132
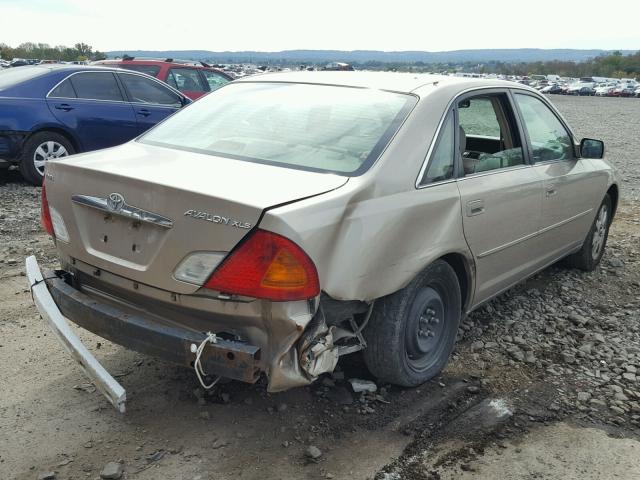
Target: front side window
488,135
144,90
185,80
215,80
96,86
311,127
548,137
64,90
441,162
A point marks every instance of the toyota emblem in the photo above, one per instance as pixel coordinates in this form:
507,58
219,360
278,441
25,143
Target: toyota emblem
115,202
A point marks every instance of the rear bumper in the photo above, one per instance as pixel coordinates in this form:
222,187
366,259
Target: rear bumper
50,312
58,301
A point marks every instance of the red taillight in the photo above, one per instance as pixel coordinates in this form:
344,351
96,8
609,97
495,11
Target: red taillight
267,265
45,215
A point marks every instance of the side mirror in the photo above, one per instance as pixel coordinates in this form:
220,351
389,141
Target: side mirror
590,148
184,101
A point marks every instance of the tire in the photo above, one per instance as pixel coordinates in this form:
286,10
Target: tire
589,256
399,348
39,148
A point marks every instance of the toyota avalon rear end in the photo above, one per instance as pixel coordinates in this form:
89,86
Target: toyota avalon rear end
162,243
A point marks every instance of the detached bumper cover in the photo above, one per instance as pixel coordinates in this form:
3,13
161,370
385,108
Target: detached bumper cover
50,312
57,300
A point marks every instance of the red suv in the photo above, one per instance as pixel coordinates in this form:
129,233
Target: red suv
192,79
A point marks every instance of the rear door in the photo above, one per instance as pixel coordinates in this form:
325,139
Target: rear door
93,105
151,100
188,81
501,193
569,201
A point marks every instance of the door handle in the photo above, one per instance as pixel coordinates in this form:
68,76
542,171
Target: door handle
63,106
475,207
144,112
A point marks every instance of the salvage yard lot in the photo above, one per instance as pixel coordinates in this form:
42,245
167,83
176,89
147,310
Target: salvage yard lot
563,348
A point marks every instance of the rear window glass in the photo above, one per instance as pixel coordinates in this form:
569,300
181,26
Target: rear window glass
148,69
12,76
96,86
313,127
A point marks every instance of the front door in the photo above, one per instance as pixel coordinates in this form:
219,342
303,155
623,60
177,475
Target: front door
567,207
152,101
92,105
501,194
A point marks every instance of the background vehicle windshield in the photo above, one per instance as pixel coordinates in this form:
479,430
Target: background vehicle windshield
314,127
13,76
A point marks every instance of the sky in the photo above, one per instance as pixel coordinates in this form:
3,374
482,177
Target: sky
274,25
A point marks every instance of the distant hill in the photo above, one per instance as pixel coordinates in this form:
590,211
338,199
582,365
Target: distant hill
361,56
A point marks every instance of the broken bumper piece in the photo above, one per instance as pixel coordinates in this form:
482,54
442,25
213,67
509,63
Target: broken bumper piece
56,299
58,323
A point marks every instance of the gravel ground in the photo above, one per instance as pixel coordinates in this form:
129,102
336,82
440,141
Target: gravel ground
561,348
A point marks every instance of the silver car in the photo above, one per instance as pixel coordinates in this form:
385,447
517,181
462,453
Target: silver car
289,219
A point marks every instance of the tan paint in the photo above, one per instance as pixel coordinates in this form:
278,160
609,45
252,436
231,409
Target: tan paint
368,236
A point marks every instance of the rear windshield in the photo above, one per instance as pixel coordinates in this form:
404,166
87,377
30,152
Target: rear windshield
148,69
312,127
12,76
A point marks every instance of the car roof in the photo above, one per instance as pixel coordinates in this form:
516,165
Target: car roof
151,61
57,67
397,82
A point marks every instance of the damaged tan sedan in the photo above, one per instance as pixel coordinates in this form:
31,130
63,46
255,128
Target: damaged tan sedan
288,219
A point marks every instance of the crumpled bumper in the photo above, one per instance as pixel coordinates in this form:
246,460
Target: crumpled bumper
56,301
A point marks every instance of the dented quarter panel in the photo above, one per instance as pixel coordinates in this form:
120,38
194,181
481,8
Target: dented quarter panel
372,236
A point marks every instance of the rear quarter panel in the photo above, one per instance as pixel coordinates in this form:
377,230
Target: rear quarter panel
372,236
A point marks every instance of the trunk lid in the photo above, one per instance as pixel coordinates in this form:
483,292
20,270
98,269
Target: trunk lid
165,204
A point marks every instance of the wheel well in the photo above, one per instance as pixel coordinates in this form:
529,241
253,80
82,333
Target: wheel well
461,266
613,193
59,131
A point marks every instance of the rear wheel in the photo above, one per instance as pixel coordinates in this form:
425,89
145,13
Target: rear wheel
589,256
40,148
412,332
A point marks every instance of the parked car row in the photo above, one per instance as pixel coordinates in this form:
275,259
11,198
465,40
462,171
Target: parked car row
52,111
585,88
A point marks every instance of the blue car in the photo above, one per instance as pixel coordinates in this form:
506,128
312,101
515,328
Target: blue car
51,111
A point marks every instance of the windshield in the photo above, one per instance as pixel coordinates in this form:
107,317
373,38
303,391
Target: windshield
15,75
313,127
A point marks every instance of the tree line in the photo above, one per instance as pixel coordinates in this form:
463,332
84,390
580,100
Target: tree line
44,51
615,65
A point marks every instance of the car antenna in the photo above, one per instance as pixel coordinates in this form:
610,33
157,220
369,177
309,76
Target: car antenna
205,64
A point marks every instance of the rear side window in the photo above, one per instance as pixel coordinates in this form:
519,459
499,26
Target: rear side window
215,80
96,86
148,69
64,90
186,80
548,137
144,90
441,163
